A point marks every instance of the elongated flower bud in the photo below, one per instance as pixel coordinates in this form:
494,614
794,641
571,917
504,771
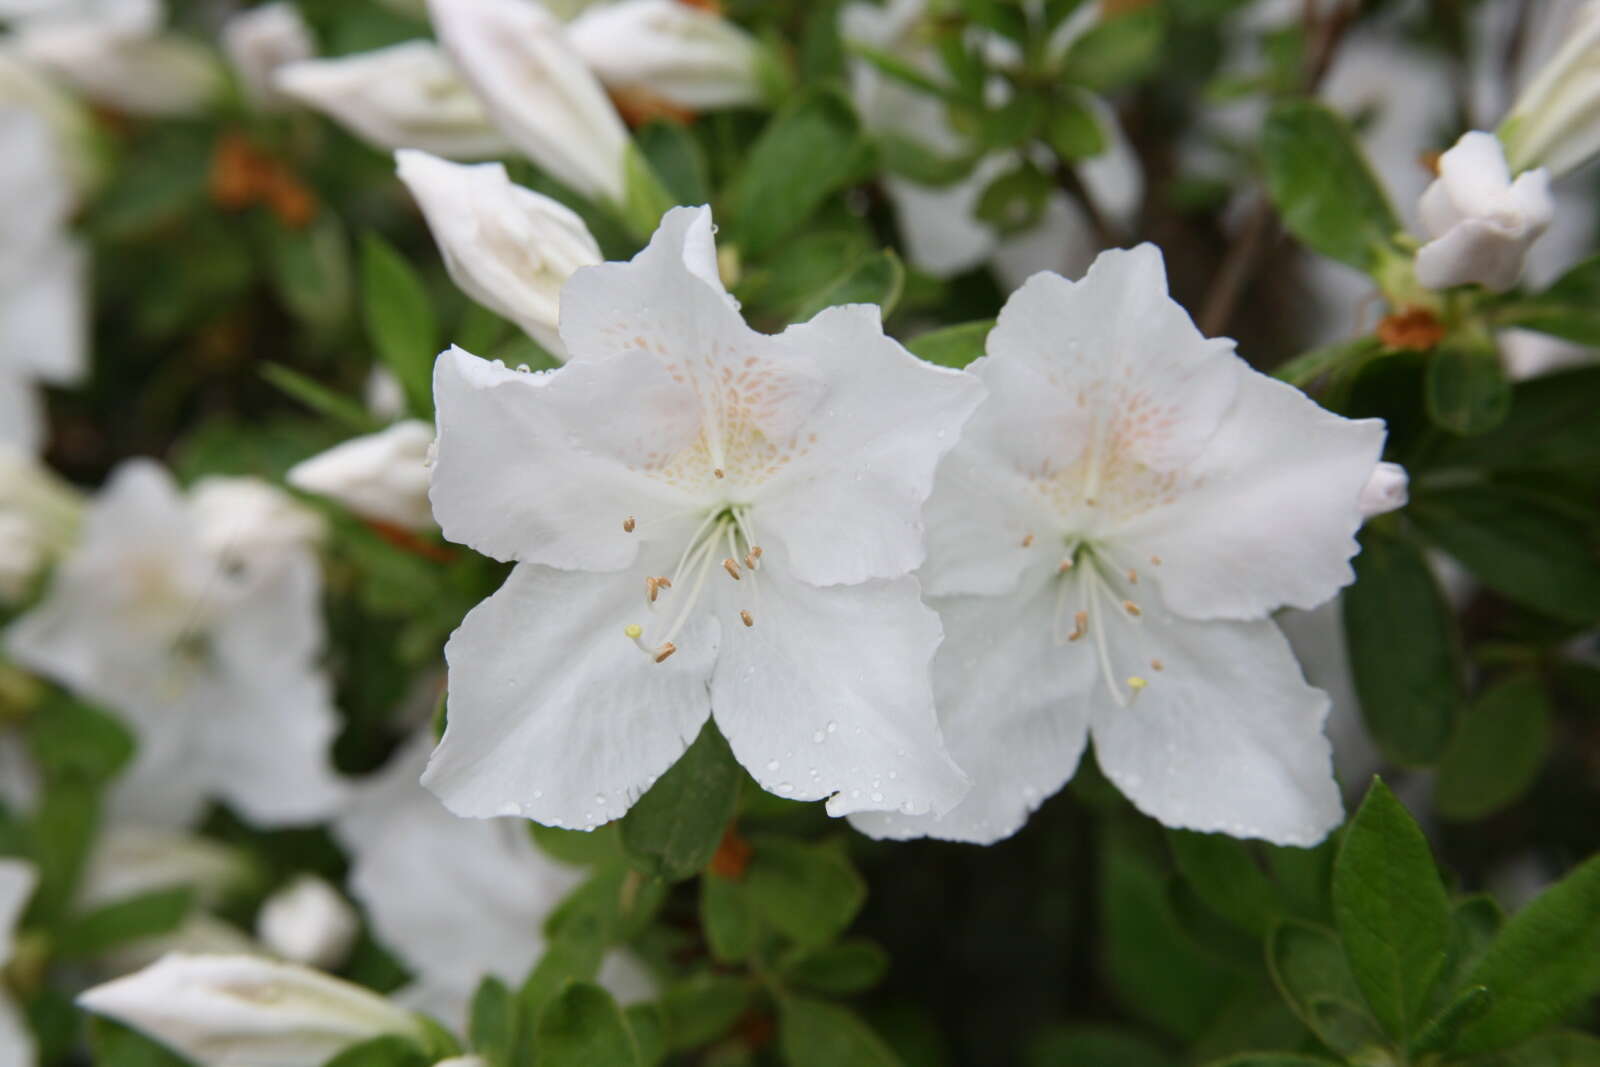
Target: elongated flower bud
684,55
1387,490
1555,122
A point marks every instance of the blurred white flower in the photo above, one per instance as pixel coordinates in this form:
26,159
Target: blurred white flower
509,248
244,1011
1387,490
43,317
682,54
23,86
1106,543
250,524
308,922
128,860
379,476
1480,222
1555,122
733,538
39,516
205,643
456,899
260,40
17,881
1528,354
516,55
404,96
383,394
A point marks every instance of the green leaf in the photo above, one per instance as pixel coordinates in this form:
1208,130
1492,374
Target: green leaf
815,1033
673,830
320,398
1570,308
64,826
1118,51
1322,187
1474,922
1225,876
877,279
1466,388
388,1050
1518,543
676,158
115,1045
807,892
1546,960
1563,1048
1551,425
1015,200
1402,643
582,1027
645,199
727,917
812,149
701,1009
846,967
71,739
649,1028
1072,129
1273,1059
493,1022
952,346
311,270
1391,910
584,848
1100,1046
144,915
1311,971
1497,751
1441,1032
399,320
573,955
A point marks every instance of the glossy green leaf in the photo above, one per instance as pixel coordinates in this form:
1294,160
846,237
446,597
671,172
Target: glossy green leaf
385,1051
492,1024
1498,750
1310,969
1225,876
807,892
727,917
876,279
1102,1046
142,915
849,966
399,320
1118,51
952,346
677,160
701,1009
1466,388
1551,426
320,398
1569,308
815,1033
582,1027
673,830
1072,129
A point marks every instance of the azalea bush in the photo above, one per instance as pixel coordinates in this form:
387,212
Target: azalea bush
819,532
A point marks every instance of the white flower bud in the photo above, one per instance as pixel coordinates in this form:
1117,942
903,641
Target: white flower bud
1385,491
517,57
308,922
39,515
250,520
138,72
261,40
129,860
509,248
1555,122
244,1011
684,55
383,394
381,476
463,1061
1480,222
404,96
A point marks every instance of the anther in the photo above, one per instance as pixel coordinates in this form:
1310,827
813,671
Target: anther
1156,665
731,567
1066,565
633,631
718,472
1136,683
628,524
1155,561
664,651
1080,625
749,620
1091,501
651,587
1027,542
1131,608
1133,576
752,557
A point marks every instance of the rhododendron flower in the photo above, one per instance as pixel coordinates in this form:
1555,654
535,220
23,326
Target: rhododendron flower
708,521
682,54
262,39
197,619
380,476
1481,223
1105,546
17,880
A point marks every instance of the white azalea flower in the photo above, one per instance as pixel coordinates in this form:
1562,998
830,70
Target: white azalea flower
39,516
509,248
1555,122
17,880
119,59
404,96
380,476
308,922
24,86
260,40
1481,223
456,899
244,1011
731,539
129,860
206,645
517,57
1106,543
683,54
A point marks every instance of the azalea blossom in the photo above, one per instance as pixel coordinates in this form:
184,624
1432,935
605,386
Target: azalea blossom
17,881
1555,121
1481,223
456,899
732,539
518,59
1106,544
404,96
198,620
38,519
509,248
130,860
308,922
262,39
684,55
244,1011
379,476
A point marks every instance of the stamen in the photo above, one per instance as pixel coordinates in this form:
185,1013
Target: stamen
749,620
1091,501
752,557
633,631
1131,608
718,472
1155,665
628,524
1155,561
731,567
651,587
1133,576
1066,565
1027,542
1080,625
667,648
1136,683
665,583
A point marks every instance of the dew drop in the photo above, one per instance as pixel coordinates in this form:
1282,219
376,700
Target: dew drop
833,727
600,799
772,764
877,798
785,787
538,794
818,736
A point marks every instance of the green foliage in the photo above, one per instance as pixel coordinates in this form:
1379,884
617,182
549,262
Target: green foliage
1467,389
952,346
674,828
815,1033
583,1026
399,319
1498,749
807,892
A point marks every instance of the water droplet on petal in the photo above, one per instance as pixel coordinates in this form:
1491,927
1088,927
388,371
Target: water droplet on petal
832,727
877,798
772,764
818,736
785,787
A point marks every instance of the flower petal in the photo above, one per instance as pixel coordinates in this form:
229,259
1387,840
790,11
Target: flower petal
1012,706
828,693
554,714
1226,738
1271,510
848,506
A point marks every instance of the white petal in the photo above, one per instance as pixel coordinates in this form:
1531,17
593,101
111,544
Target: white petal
554,714
308,922
1226,738
1271,512
44,318
523,470
848,506
21,420
1474,173
941,234
1474,251
1013,708
381,476
260,40
828,693
685,55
